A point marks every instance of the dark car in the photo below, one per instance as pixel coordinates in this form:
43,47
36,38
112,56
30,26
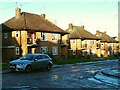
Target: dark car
31,62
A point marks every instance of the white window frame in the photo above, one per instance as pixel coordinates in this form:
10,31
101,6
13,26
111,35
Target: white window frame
17,34
55,50
87,43
93,42
74,41
82,44
74,52
5,35
17,50
44,50
54,36
43,36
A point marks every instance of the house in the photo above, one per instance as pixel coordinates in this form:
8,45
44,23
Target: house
118,44
31,33
81,42
108,45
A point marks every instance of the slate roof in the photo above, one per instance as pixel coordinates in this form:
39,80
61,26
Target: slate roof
105,38
32,22
78,32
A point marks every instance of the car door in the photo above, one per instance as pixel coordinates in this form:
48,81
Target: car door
39,62
45,60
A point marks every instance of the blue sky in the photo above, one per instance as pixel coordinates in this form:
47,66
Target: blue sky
95,15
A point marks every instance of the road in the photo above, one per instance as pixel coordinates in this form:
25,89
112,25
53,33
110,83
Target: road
80,75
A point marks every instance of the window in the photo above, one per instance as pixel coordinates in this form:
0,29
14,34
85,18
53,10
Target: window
74,41
54,36
44,50
55,50
45,57
74,52
43,36
82,44
38,57
87,44
5,35
93,42
17,34
17,51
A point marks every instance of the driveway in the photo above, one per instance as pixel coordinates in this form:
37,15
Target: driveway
80,75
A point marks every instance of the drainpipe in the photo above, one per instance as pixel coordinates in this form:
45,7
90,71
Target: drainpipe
20,45
60,46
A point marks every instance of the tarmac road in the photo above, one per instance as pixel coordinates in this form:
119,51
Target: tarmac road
80,75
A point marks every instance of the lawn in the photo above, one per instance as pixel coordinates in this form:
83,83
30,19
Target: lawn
4,66
72,61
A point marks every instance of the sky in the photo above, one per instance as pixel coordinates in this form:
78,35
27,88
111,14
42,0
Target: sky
95,15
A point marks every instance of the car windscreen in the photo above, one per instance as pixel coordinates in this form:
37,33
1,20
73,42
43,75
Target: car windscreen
27,57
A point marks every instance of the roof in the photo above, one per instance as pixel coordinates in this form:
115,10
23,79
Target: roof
78,32
32,22
104,37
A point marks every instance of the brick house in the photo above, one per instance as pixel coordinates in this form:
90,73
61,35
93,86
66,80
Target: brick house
108,45
31,33
82,43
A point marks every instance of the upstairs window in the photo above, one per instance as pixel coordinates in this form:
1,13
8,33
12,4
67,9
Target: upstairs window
93,42
74,41
43,36
5,35
54,36
87,44
17,34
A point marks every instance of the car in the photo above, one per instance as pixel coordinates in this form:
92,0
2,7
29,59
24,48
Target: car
30,62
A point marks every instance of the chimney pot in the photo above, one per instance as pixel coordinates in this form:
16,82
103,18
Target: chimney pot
105,32
70,26
43,16
83,26
18,12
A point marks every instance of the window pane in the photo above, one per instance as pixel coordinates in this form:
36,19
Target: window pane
17,34
54,36
5,35
43,36
55,50
44,50
17,50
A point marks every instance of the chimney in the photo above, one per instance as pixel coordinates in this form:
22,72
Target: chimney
105,32
43,16
97,32
83,26
70,26
18,12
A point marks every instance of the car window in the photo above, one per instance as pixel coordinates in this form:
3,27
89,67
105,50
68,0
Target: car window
38,57
45,57
27,57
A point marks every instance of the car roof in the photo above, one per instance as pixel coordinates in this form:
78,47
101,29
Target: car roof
36,54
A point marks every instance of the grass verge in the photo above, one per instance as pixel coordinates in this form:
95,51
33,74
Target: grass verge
4,66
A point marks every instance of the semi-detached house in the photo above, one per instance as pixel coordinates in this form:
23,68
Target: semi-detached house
31,33
81,42
108,45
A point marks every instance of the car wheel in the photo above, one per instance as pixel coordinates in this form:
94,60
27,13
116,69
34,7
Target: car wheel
49,67
28,69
